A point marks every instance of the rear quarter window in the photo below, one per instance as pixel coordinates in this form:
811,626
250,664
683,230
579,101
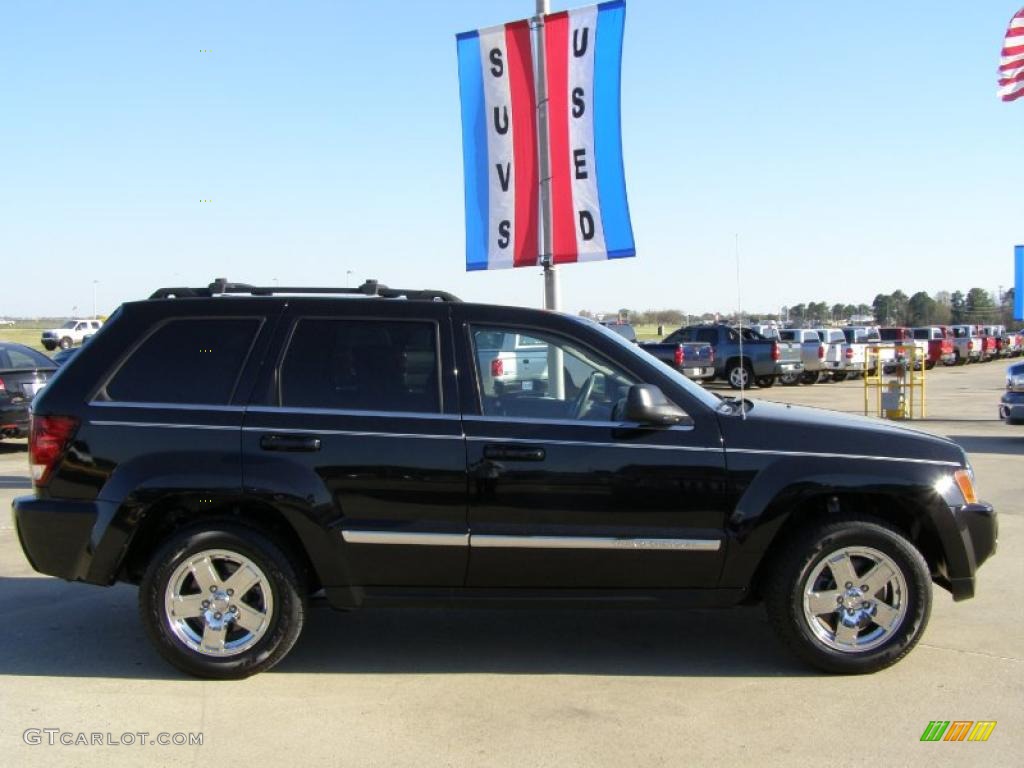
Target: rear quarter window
190,360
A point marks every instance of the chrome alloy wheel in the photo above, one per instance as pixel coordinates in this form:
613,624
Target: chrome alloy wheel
854,599
218,603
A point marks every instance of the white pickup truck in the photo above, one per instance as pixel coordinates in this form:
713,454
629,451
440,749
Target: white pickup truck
71,333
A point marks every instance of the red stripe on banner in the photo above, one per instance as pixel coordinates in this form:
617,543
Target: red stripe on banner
1014,50
524,142
556,55
1015,32
1018,78
1015,94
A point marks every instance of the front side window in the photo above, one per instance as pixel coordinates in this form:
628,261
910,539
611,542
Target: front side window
362,365
517,383
193,360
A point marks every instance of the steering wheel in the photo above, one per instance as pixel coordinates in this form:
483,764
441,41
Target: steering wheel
580,403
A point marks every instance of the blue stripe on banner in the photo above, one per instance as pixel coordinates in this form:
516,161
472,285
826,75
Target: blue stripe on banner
474,148
611,177
1018,285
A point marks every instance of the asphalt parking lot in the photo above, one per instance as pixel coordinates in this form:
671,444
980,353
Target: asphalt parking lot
535,687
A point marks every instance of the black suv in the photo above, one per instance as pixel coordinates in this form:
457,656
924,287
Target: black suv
234,450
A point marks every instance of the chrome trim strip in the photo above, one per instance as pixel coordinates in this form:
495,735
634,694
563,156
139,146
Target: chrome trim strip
594,542
165,406
403,538
98,423
592,444
351,412
821,455
350,433
573,423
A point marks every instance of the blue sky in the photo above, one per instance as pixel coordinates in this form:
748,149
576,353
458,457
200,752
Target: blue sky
854,148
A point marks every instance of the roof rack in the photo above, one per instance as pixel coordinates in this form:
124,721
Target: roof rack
371,288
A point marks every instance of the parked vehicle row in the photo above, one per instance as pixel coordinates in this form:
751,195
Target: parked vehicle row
812,355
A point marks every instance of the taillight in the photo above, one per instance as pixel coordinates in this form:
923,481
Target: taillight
497,367
48,439
680,355
821,351
849,353
776,354
970,345
2,385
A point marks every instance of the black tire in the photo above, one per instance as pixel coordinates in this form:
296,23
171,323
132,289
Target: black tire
790,379
801,558
765,382
50,346
839,376
737,371
807,378
66,342
284,623
957,359
929,365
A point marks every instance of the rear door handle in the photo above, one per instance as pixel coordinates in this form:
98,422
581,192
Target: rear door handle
514,452
294,443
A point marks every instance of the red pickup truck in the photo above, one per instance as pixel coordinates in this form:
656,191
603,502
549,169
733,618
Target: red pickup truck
940,345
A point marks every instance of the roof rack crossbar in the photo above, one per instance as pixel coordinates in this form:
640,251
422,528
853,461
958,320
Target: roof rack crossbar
371,288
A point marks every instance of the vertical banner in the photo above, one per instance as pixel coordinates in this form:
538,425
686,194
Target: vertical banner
589,210
499,146
1018,283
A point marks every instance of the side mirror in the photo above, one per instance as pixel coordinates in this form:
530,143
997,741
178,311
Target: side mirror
647,404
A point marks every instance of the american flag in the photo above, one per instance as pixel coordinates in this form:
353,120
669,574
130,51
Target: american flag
1011,65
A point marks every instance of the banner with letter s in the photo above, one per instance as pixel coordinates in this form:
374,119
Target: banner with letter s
589,211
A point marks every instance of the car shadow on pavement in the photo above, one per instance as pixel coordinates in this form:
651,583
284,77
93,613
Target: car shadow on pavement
17,482
8,447
54,628
1011,444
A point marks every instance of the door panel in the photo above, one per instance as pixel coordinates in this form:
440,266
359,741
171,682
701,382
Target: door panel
581,499
359,426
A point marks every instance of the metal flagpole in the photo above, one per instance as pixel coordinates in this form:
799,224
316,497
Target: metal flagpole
556,376
551,297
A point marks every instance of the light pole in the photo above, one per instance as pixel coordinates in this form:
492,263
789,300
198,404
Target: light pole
348,276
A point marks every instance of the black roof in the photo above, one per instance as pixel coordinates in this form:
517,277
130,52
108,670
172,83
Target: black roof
370,288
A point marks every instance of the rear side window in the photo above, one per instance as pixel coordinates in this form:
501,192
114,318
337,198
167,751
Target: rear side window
362,365
186,361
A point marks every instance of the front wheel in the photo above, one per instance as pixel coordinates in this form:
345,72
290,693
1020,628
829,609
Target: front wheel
222,601
850,596
65,342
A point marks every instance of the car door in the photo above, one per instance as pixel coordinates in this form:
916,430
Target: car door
563,493
357,422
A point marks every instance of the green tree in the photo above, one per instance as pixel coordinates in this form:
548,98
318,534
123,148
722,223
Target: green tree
921,309
958,307
898,307
979,305
882,308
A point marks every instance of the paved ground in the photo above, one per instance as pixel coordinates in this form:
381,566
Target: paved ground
535,687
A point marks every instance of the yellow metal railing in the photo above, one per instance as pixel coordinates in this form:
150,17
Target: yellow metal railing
901,393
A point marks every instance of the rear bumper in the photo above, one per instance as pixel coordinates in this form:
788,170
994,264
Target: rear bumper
64,538
14,418
1011,407
979,531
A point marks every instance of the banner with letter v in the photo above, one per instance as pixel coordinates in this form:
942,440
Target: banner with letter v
588,210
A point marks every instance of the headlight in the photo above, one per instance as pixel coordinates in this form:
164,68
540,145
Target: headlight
1015,383
957,489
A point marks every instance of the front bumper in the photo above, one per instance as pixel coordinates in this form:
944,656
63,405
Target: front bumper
979,531
65,538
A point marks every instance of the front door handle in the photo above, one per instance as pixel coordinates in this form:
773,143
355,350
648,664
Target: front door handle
514,452
294,443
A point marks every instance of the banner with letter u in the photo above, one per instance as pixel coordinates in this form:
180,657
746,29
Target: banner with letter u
589,211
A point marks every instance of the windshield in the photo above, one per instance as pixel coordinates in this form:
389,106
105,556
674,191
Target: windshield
70,324
694,390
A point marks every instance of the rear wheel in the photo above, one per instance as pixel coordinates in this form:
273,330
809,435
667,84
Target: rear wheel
789,379
50,345
765,382
810,377
850,596
222,601
739,375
